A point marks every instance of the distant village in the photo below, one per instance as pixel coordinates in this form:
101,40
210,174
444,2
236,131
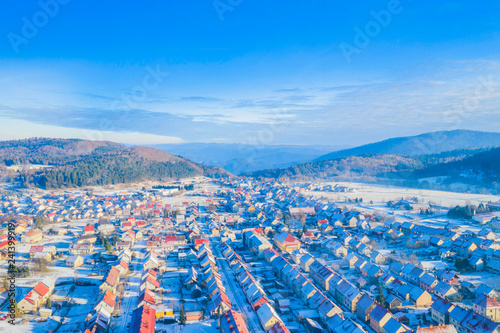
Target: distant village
238,256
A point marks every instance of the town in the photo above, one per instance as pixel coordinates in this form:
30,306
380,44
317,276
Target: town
237,255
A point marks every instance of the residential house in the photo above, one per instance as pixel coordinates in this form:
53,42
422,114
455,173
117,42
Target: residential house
267,316
476,323
487,306
378,318
447,291
286,242
232,322
440,311
33,236
143,320
74,261
364,307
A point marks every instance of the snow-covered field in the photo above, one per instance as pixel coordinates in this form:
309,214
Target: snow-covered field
380,194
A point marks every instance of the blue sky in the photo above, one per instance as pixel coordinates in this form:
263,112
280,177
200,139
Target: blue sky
241,71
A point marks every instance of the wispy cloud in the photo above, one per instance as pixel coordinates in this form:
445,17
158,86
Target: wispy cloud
200,99
406,102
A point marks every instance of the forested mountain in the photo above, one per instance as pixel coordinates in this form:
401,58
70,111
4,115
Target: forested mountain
475,167
424,144
48,150
74,163
482,168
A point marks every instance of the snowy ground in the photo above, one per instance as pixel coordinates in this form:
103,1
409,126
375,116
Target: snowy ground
380,194
491,280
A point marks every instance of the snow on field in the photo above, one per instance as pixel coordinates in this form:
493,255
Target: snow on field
490,279
30,326
381,194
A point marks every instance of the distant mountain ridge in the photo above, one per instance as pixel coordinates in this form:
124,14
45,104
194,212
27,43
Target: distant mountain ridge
423,144
76,163
238,158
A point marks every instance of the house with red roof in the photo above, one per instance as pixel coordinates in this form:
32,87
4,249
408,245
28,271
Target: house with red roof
321,222
112,280
286,242
122,267
219,301
487,306
35,298
232,322
88,230
32,236
42,290
437,329
5,243
126,225
34,249
149,282
170,238
107,302
147,297
30,302
199,242
149,272
279,327
143,320
129,236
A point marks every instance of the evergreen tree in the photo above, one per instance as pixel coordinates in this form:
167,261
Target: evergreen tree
381,297
107,245
182,319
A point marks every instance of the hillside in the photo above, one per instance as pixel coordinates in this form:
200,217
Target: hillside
39,148
352,167
75,163
424,144
473,169
482,169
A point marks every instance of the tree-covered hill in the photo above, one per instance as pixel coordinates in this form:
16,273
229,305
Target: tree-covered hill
75,163
423,144
370,166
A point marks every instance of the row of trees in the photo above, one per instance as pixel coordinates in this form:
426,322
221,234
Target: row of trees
467,211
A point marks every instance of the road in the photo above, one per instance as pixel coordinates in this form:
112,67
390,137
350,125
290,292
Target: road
236,296
130,297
